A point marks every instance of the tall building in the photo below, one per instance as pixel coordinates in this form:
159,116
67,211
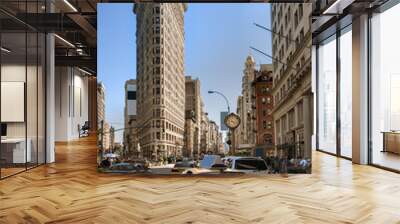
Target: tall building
205,133
193,108
264,105
106,136
210,136
215,140
160,78
245,134
292,76
238,135
248,119
112,139
221,146
131,148
101,116
101,102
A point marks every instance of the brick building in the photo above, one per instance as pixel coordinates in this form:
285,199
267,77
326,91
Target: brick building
264,105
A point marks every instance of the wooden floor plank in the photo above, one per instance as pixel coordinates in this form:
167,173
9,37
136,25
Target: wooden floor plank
71,191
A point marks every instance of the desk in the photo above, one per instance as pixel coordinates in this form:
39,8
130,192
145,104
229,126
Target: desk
13,150
391,141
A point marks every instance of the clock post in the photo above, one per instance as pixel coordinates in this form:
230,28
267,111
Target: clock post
232,121
232,147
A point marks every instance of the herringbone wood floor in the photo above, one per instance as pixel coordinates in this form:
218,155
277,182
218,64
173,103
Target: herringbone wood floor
71,191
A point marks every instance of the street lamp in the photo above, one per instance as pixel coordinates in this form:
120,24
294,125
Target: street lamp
219,93
231,129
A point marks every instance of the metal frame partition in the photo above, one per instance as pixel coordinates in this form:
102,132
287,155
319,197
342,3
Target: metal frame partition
380,9
337,31
36,118
342,23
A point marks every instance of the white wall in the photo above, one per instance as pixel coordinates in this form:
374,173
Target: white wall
33,126
71,102
17,73
13,73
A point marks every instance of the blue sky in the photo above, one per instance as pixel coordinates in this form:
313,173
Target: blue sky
217,41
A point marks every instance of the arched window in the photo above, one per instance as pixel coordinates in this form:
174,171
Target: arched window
268,138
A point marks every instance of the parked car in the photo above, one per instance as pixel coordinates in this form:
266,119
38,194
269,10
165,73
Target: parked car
183,165
127,167
209,164
246,165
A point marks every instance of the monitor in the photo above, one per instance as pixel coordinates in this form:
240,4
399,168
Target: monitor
3,129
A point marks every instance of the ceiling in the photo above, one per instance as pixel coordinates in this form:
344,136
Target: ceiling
73,21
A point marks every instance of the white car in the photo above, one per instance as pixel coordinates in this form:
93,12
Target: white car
208,165
245,165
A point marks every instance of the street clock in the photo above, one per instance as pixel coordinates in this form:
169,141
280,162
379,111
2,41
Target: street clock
232,121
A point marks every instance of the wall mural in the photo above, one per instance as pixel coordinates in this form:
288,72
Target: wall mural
169,80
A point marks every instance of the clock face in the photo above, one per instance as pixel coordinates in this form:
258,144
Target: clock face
232,121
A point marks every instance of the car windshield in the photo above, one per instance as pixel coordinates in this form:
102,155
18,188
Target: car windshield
250,164
209,160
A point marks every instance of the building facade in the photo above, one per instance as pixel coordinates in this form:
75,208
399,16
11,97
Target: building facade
248,111
292,93
111,147
193,108
245,135
210,136
103,125
106,137
101,102
215,138
204,134
131,147
237,137
264,106
160,78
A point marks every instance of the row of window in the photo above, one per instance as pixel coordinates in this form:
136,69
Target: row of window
291,81
267,124
265,100
131,95
298,14
165,125
163,82
162,136
285,52
150,150
290,120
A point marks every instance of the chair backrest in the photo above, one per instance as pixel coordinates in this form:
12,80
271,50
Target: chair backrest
86,125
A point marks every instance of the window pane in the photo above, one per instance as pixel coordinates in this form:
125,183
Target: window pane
41,98
327,96
131,95
346,94
385,84
14,153
31,97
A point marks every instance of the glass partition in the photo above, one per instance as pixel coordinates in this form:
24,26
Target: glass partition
22,91
13,94
346,92
327,95
31,97
385,89
41,97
